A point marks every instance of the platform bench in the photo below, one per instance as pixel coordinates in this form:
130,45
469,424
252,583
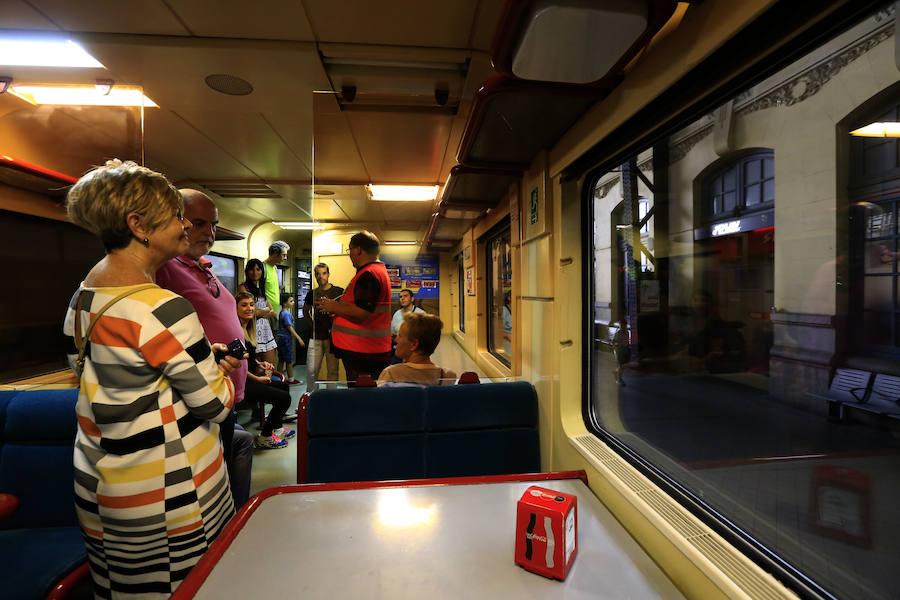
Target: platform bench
40,542
857,395
368,434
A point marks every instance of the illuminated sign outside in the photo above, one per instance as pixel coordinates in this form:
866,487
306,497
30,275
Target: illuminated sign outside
745,223
726,228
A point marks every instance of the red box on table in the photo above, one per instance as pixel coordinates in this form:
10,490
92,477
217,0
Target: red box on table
546,526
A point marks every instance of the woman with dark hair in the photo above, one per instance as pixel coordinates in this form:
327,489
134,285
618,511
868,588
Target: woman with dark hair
260,386
255,284
151,487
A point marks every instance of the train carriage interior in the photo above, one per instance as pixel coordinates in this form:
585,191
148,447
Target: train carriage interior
677,221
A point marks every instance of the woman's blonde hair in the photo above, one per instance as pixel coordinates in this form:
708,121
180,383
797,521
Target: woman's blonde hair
250,327
101,200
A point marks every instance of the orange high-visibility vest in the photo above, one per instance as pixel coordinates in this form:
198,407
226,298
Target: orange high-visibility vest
374,334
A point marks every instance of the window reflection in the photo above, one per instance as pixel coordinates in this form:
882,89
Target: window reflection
499,274
746,268
225,268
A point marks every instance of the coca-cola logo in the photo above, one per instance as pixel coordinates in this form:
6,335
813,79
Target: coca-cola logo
534,536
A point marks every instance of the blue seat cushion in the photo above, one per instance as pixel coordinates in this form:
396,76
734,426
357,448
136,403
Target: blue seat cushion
365,411
366,458
485,452
41,416
480,406
32,561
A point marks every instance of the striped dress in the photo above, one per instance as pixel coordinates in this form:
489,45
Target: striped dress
151,486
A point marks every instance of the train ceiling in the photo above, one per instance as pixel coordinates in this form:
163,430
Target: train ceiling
286,51
285,110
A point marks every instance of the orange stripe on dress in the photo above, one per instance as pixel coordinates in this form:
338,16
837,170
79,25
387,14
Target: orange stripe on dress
161,348
209,471
133,500
93,533
88,426
185,529
116,332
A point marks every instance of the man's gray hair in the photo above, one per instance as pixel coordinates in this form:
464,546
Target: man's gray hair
277,247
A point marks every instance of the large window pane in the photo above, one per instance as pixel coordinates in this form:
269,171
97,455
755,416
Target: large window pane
225,268
499,295
729,340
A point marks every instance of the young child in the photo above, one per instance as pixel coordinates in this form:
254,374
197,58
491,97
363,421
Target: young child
285,338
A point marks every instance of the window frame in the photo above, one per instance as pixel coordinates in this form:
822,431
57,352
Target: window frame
461,290
768,44
497,231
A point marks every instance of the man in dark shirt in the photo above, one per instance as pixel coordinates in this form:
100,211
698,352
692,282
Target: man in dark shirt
361,333
320,346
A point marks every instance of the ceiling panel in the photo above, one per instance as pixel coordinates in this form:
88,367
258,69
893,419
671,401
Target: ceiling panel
401,147
15,14
144,16
485,24
252,141
336,158
241,19
177,149
400,22
392,212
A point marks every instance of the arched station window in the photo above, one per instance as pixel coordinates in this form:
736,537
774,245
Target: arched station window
740,186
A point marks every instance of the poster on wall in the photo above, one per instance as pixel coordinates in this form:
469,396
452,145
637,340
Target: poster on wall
470,281
417,273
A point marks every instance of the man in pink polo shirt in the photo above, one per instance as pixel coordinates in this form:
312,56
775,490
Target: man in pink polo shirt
190,276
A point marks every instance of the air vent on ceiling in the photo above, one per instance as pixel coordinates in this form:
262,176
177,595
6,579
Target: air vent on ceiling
241,190
229,84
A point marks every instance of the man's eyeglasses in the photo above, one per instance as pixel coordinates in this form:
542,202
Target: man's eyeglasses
213,285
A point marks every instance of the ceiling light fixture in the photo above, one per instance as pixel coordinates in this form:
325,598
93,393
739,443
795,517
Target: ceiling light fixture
25,52
299,225
403,193
400,243
881,130
81,96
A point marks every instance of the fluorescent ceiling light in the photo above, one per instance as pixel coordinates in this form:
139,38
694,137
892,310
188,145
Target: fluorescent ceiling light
403,193
44,53
295,225
881,130
400,243
87,95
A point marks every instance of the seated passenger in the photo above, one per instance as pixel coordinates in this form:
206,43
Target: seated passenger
261,387
417,338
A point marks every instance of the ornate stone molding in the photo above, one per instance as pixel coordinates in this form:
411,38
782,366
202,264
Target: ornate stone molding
680,149
808,83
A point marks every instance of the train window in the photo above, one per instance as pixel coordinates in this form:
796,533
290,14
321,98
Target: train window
50,259
282,272
499,291
461,290
739,266
225,267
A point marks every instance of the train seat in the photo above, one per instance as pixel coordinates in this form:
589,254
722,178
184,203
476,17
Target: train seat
413,432
40,543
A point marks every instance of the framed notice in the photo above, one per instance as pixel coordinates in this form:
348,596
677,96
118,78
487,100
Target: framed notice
841,505
470,281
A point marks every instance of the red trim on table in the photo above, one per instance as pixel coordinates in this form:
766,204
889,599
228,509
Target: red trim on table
207,563
37,170
62,589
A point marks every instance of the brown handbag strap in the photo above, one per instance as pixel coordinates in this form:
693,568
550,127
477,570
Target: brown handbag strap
81,342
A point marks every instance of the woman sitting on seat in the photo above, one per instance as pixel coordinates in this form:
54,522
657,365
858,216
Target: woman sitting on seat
417,339
261,387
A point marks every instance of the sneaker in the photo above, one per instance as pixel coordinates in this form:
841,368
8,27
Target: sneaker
285,433
292,382
290,417
273,442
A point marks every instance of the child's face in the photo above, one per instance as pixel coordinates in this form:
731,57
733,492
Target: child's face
289,304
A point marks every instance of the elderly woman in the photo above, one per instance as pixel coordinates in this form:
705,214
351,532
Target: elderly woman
151,487
417,338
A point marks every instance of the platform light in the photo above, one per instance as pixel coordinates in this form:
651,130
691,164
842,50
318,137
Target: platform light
880,130
403,193
400,243
299,225
34,52
81,95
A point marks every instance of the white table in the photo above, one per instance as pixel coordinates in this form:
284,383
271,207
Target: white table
448,540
